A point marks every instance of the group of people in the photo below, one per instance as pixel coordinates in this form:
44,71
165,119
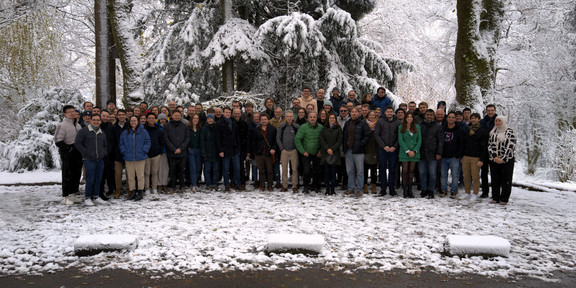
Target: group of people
316,143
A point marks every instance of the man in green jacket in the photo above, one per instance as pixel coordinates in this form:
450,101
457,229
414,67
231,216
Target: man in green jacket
307,142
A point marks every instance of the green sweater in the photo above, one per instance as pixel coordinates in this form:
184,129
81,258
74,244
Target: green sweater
308,138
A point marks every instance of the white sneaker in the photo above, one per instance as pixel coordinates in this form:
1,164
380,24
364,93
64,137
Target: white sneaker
147,192
67,201
154,191
75,198
465,197
88,202
99,201
474,197
194,189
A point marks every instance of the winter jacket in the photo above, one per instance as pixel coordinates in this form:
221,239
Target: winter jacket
226,138
285,136
488,122
208,144
65,135
111,141
409,142
502,149
134,145
432,140
382,103
91,143
336,104
176,136
117,134
331,138
371,104
262,145
194,142
361,136
277,122
156,140
342,121
386,132
476,145
453,142
304,103
308,138
242,136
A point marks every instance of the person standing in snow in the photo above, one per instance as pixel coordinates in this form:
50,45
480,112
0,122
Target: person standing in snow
475,155
430,153
228,147
263,147
71,159
152,165
330,141
91,143
356,134
134,146
108,174
176,138
320,99
194,151
451,155
380,100
501,149
209,154
409,140
386,134
488,124
307,142
289,155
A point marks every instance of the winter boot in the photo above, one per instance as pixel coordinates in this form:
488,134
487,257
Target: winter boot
373,188
139,195
405,191
132,195
410,195
365,188
117,193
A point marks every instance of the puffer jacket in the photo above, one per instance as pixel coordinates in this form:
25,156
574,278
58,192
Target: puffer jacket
386,132
308,138
361,136
176,136
91,143
432,140
134,145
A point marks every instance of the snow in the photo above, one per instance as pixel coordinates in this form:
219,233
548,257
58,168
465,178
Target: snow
105,242
474,245
284,241
201,232
30,177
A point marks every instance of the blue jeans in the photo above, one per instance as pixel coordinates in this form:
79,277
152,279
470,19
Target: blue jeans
428,172
329,175
211,172
452,164
355,170
195,164
236,169
387,162
94,170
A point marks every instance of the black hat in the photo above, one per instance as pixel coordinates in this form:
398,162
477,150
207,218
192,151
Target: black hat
86,113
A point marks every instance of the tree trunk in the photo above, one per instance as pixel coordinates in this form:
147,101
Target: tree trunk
105,72
128,51
228,66
476,43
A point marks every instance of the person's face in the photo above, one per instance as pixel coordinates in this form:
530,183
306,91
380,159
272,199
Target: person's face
172,105
134,122
209,120
218,112
409,118
371,116
181,109
310,109
256,117
104,116
365,111
354,114
111,106
349,106
405,107
76,115
336,93
237,114
422,108
368,97
96,111
389,114
143,106
227,113
474,120
466,115
381,93
320,94
459,118
323,115
301,114
278,113
343,112
490,111
249,109
195,119
305,93
190,110
269,104
264,121
70,113
296,103
378,114
235,105
164,110
155,111
439,115
96,121
312,117
177,116
412,107
143,120
352,95
498,123
400,115
289,117
198,109
87,119
151,120
451,119
88,106
136,110
121,116
332,119
429,116
162,121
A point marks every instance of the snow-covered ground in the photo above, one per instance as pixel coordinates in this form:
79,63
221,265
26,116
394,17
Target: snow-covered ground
189,233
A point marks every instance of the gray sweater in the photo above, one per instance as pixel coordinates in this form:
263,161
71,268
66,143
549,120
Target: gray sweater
285,136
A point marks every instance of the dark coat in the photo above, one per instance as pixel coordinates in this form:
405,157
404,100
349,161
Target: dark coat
208,143
156,140
117,132
91,143
432,140
259,145
488,122
176,136
476,145
331,138
386,132
361,137
226,138
242,135
111,141
453,142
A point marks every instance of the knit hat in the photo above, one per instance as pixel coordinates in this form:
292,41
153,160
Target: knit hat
162,116
329,103
210,116
86,113
335,89
396,112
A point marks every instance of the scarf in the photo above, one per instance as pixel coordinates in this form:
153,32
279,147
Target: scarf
500,132
371,124
474,128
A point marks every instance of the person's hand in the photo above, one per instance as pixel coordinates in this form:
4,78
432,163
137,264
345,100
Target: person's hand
386,148
306,154
411,154
438,157
272,152
330,152
319,154
221,154
479,164
391,149
177,151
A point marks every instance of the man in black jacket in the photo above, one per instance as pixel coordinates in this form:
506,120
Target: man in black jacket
108,174
386,134
176,137
356,136
430,153
487,123
154,153
451,155
228,148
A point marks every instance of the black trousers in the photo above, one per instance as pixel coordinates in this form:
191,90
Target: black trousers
311,171
71,171
484,179
177,171
502,180
108,176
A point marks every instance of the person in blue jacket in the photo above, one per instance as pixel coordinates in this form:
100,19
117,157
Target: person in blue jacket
134,145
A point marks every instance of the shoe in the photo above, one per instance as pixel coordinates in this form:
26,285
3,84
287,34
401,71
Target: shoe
503,203
494,202
348,192
430,195
241,187
262,189
424,194
99,201
405,192
373,188
295,190
365,188
344,187
358,194
270,188
444,194
154,191
382,193
278,185
170,191
410,195
465,197
473,197
227,188
75,199
305,190
139,195
117,194
67,201
88,202
132,195
484,195
103,197
284,189
453,195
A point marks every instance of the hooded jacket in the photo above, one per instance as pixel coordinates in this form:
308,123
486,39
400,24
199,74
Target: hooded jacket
134,145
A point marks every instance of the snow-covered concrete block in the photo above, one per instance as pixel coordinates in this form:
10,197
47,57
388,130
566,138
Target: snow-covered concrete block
472,245
93,244
298,243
